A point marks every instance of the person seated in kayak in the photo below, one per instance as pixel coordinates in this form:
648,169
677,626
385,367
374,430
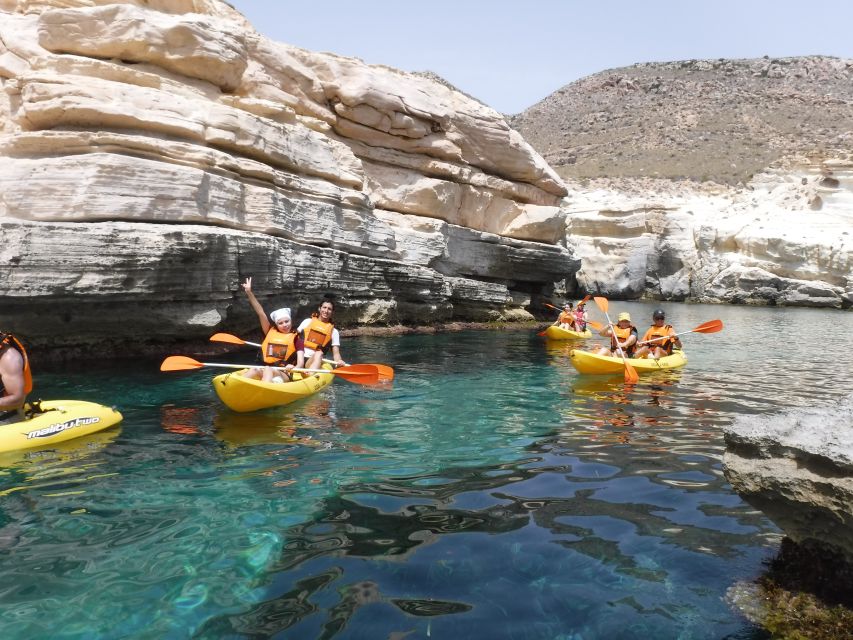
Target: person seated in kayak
282,348
319,334
580,316
16,381
625,338
660,339
566,320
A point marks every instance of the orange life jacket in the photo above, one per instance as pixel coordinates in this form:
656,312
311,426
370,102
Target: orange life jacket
660,332
566,317
12,341
318,334
278,347
623,335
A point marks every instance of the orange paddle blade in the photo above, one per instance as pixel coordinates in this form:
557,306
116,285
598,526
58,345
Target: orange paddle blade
551,306
631,375
180,363
358,373
385,372
712,326
595,325
601,303
226,337
585,299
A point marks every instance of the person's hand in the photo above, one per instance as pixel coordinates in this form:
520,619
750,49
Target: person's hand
289,367
247,286
340,363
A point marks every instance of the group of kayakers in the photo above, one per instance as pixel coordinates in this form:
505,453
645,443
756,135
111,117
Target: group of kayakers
285,348
658,341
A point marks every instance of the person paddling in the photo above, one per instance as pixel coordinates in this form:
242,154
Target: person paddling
625,337
660,338
580,316
16,380
566,319
282,348
319,334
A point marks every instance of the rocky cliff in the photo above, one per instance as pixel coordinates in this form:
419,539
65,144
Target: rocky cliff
709,180
154,153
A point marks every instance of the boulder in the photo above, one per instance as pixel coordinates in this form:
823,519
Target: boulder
797,468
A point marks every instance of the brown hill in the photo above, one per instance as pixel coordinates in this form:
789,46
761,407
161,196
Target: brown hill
719,120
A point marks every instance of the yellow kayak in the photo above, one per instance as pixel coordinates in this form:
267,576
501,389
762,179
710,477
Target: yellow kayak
245,394
57,421
556,333
590,363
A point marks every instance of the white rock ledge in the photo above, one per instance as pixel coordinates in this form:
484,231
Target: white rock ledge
797,468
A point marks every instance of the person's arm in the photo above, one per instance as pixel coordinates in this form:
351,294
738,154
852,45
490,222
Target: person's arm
262,316
630,341
12,372
336,348
675,339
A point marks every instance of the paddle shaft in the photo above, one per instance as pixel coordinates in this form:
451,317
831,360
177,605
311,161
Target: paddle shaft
681,333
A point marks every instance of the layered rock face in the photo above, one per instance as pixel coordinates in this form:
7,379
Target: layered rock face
713,180
798,469
153,154
786,239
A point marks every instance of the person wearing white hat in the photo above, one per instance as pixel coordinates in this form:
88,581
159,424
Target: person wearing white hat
282,348
625,337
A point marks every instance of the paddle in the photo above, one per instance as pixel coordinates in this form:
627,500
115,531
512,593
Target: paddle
712,326
386,373
231,339
357,373
631,376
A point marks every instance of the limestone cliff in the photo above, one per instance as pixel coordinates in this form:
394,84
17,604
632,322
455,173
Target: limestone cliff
153,154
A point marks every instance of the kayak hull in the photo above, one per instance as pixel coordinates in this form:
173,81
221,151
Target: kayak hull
589,363
556,333
58,421
244,394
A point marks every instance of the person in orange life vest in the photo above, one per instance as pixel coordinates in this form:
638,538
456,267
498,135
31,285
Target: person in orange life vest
666,342
282,346
16,381
566,320
580,317
626,334
319,334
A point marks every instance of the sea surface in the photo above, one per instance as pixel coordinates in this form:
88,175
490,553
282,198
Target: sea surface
492,492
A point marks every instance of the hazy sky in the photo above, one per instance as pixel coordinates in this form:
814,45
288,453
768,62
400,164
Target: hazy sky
510,55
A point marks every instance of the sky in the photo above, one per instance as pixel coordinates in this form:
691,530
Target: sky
511,55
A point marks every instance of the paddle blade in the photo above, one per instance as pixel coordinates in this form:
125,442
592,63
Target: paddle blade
542,333
585,299
601,303
631,375
226,337
595,325
180,363
712,326
551,306
358,373
386,373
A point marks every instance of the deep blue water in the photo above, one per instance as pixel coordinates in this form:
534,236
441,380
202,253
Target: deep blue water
491,493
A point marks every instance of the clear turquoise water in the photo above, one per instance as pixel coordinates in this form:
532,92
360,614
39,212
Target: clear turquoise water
491,493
